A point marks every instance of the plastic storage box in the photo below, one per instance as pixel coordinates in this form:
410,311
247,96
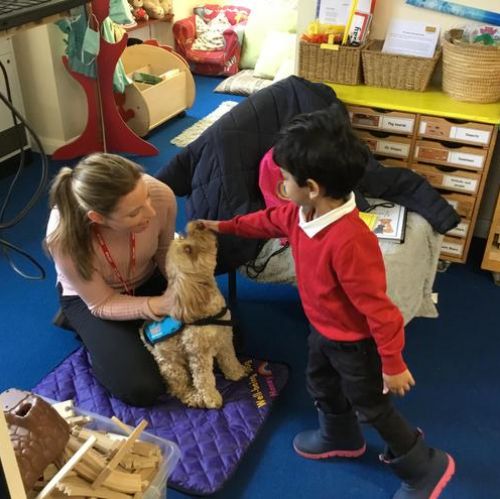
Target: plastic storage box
170,451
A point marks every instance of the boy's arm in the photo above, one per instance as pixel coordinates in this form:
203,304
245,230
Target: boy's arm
362,274
360,268
264,224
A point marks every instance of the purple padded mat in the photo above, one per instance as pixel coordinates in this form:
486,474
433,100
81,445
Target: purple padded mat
212,442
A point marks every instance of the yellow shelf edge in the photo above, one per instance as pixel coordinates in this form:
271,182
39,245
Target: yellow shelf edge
433,102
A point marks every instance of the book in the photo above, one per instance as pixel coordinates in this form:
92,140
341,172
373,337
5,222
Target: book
370,219
391,219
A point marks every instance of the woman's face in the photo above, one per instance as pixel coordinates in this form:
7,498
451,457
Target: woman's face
133,211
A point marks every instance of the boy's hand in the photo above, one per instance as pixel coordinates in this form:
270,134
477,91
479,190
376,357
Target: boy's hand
210,224
398,384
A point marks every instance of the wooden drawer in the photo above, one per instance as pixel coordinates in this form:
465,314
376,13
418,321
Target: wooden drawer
466,132
453,247
393,146
463,157
463,204
449,179
491,258
392,162
461,230
387,121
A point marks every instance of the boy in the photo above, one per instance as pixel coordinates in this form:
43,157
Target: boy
357,333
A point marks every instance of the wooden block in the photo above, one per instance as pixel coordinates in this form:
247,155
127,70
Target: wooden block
122,451
66,468
65,409
77,486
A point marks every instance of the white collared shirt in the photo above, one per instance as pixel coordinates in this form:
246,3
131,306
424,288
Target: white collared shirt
316,225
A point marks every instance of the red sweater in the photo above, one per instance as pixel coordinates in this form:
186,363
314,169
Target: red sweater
340,276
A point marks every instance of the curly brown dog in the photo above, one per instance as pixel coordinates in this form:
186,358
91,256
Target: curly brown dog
186,359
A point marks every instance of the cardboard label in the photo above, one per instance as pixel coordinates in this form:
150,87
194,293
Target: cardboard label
462,183
398,124
393,148
470,134
452,248
460,230
466,159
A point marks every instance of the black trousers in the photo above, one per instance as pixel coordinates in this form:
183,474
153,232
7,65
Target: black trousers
120,361
348,375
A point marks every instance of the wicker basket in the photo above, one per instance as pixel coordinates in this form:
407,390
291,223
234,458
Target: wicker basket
402,72
470,72
335,66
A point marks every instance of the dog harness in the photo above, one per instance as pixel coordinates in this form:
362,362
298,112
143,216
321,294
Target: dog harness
155,332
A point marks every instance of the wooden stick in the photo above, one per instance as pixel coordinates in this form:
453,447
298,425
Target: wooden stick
66,468
122,451
124,427
9,462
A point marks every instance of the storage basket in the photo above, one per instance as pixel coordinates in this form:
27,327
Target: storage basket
325,65
402,72
471,72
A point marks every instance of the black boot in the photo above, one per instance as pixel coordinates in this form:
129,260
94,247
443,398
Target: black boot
339,435
424,471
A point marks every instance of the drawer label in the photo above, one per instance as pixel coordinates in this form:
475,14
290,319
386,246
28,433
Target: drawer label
394,148
462,183
460,230
470,134
466,159
398,124
452,248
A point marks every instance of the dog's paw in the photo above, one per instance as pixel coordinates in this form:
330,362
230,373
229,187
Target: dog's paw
212,399
237,373
193,399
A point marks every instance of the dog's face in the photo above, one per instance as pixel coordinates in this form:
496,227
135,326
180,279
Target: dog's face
194,253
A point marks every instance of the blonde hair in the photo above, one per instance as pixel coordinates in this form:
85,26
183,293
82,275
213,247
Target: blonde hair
96,183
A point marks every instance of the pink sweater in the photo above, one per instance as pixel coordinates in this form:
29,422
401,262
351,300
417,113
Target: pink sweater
340,277
103,293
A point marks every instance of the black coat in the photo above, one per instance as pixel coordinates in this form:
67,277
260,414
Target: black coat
218,172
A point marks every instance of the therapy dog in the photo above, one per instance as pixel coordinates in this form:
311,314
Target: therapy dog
186,359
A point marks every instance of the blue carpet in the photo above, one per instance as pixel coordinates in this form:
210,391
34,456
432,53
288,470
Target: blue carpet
453,359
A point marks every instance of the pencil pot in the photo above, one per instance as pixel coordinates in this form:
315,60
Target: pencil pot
471,72
325,65
401,72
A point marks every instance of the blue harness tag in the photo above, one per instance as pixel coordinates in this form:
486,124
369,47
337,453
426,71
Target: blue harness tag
158,331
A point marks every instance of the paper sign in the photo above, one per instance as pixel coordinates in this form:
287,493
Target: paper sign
337,11
411,38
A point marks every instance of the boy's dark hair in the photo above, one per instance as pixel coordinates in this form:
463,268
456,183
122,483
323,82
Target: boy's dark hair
323,147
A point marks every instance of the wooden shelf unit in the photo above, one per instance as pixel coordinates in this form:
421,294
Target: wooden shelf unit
448,142
491,258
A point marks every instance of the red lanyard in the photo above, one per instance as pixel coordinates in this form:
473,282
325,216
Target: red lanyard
109,258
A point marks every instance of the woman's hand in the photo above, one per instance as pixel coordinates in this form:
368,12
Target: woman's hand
398,384
161,305
210,224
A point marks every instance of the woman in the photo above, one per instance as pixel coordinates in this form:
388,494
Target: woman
108,233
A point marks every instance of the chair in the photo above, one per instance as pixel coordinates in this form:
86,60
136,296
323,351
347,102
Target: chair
223,62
